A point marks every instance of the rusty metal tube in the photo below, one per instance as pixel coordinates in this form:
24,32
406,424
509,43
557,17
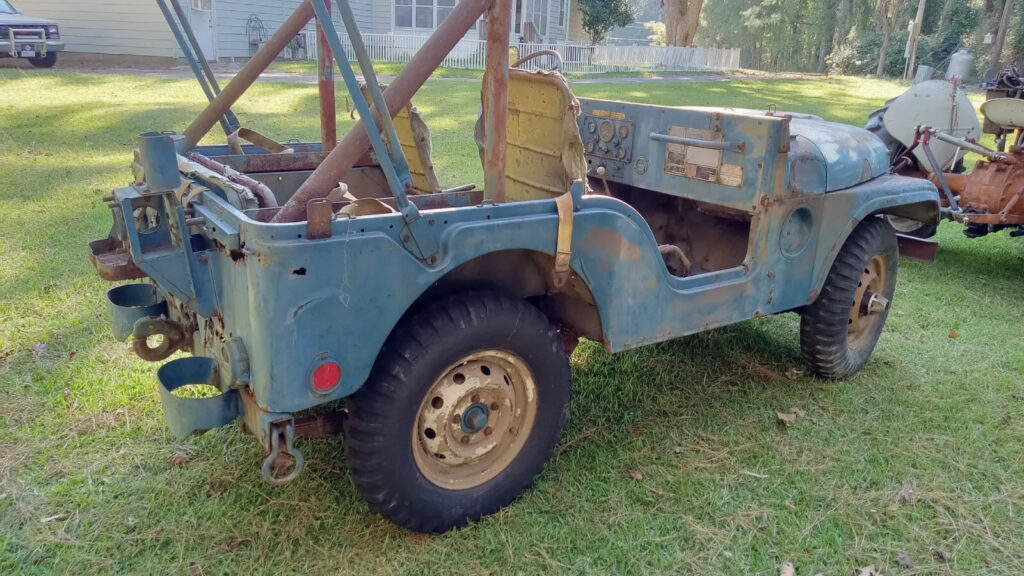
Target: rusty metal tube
494,97
328,103
248,74
355,143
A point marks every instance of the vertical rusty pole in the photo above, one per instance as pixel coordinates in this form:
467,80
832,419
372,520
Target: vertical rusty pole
494,97
328,105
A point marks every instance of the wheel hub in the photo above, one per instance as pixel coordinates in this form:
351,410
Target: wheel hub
474,419
869,304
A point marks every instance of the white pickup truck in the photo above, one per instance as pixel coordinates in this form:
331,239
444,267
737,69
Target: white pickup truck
35,39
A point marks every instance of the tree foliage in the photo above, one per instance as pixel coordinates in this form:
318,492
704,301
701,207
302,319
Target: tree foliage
600,16
849,36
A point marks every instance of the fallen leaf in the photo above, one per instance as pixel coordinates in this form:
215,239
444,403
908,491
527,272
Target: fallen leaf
39,350
942,555
726,553
194,569
787,419
49,519
1007,418
903,561
793,373
819,574
907,494
790,505
178,458
636,475
1017,396
800,413
866,571
787,569
72,353
988,562
954,334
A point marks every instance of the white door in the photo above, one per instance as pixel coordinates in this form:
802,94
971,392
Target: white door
201,19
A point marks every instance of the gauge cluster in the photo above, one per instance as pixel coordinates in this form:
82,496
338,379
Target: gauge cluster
609,138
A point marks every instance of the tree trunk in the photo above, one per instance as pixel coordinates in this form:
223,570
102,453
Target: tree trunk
997,50
828,31
682,18
947,14
884,50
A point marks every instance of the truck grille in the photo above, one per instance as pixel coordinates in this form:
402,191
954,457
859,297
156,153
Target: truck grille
26,31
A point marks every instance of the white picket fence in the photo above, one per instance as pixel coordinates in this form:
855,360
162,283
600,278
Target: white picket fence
576,58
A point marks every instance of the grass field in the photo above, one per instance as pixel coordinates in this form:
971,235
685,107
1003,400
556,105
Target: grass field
673,460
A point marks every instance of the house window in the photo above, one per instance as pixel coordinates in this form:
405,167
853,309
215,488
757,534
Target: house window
444,8
422,14
561,12
403,13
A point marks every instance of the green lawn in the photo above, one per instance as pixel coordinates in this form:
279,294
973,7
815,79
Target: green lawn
673,460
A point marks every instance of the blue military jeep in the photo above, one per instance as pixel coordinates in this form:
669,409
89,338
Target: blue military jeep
445,317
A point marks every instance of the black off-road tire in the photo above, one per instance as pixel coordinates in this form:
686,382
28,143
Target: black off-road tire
384,412
48,61
824,340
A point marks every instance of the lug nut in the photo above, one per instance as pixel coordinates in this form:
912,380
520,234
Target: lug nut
494,406
456,419
464,439
488,431
475,398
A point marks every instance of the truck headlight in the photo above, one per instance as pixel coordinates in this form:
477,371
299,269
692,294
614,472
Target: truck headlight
52,32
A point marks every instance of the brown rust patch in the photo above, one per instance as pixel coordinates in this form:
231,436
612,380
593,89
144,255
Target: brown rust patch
610,241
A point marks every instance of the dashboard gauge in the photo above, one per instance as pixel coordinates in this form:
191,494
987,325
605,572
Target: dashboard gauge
607,131
620,152
591,126
623,131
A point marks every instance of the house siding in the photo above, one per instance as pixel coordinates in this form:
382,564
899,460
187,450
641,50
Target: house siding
108,26
576,31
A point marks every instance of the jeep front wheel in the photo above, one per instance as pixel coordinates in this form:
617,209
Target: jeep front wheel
464,407
840,329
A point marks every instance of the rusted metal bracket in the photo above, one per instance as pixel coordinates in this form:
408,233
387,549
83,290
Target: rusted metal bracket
919,249
319,216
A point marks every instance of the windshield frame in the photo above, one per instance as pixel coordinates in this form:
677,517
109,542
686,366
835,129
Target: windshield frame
7,8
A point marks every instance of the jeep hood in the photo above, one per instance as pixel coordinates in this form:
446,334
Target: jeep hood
827,156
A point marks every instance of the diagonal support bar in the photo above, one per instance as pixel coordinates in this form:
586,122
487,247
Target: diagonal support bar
248,74
399,92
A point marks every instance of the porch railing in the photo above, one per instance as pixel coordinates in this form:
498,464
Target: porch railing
576,58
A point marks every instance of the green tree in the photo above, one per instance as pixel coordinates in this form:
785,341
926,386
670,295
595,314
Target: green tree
600,16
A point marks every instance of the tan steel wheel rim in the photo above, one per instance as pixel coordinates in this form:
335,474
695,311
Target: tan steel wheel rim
863,320
474,420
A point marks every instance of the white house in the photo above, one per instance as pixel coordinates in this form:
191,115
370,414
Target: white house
234,28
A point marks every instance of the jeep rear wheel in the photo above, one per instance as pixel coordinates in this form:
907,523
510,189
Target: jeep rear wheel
840,329
464,407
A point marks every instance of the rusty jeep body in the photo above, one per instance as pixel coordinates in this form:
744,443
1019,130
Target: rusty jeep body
300,274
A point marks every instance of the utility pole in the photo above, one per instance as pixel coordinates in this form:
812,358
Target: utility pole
997,49
915,35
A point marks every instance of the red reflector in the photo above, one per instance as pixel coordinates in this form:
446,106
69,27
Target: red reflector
326,376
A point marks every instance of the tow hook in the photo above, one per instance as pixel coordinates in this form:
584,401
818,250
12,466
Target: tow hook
173,338
279,459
